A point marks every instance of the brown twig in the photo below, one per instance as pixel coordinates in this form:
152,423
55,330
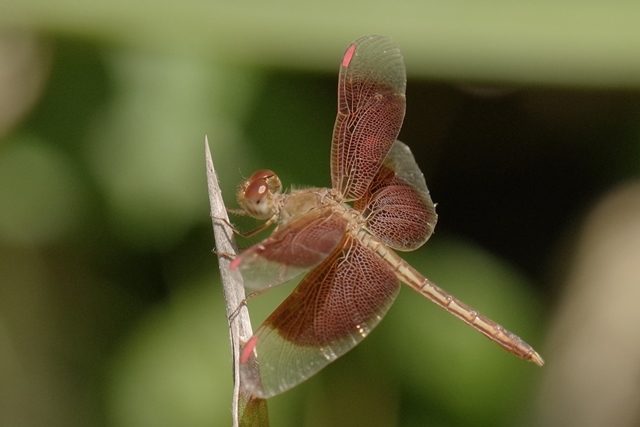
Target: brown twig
247,410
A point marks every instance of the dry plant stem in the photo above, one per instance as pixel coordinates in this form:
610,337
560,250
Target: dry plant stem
237,313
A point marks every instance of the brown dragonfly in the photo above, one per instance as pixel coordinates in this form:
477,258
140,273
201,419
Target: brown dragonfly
344,237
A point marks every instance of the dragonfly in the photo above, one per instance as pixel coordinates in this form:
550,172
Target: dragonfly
345,237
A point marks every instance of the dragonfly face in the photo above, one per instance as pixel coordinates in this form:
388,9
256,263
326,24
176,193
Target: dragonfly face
258,194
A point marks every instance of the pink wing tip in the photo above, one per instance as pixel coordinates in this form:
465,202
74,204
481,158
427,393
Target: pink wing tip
348,55
248,348
235,263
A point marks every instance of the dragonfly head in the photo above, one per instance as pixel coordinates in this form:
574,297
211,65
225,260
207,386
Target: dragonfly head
258,194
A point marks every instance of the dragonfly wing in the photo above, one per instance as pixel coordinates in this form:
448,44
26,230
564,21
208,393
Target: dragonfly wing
296,248
397,205
371,106
334,307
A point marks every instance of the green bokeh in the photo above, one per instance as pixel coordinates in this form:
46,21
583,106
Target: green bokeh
111,312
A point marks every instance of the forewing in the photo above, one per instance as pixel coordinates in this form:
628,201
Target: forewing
397,205
299,246
334,307
371,106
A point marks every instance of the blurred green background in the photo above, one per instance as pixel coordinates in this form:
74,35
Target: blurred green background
524,117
